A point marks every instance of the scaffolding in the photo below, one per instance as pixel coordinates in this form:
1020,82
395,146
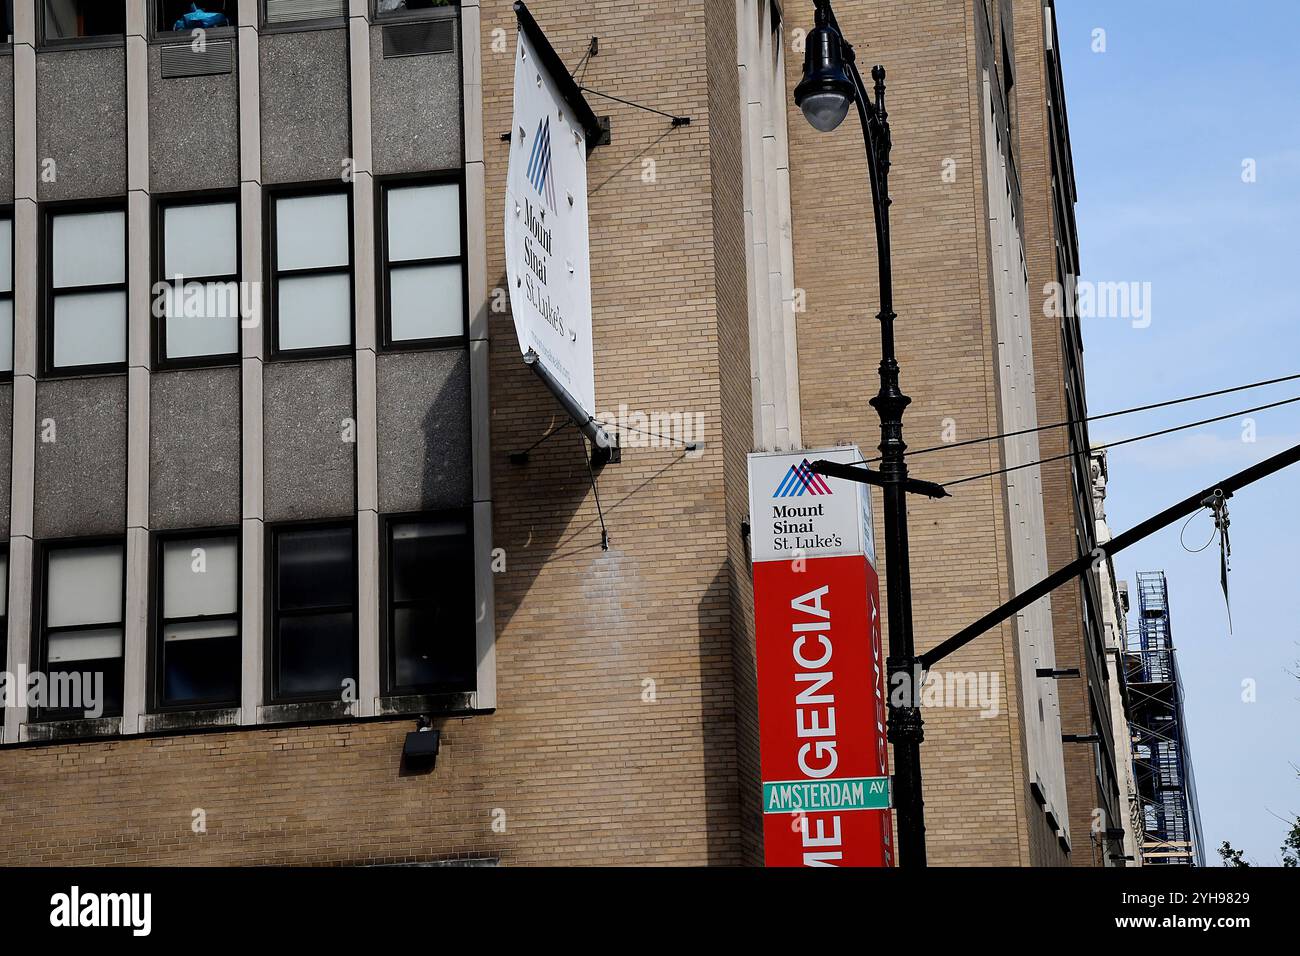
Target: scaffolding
1162,757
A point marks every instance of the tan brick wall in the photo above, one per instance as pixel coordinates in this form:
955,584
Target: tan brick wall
584,770
977,806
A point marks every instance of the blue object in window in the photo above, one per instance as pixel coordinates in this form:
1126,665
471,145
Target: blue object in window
198,19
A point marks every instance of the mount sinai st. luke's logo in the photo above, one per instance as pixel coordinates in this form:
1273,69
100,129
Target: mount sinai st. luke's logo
539,164
801,480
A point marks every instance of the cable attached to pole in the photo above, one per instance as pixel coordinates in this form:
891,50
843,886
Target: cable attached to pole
677,120
591,472
1094,418
1124,441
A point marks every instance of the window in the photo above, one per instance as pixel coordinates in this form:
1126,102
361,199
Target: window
199,265
81,629
71,19
311,272
396,8
198,657
293,11
6,293
423,272
429,571
4,627
86,290
7,21
313,607
186,15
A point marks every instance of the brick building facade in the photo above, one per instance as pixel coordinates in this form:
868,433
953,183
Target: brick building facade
595,706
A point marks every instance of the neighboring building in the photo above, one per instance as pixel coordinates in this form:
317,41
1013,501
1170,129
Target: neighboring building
1119,838
1162,754
342,469
1047,175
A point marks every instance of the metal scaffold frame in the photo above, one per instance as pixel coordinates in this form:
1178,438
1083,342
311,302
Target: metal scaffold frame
1162,759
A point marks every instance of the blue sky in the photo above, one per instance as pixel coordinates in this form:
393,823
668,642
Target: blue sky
1161,123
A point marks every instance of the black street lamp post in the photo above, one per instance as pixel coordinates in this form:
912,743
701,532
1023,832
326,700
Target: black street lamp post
831,83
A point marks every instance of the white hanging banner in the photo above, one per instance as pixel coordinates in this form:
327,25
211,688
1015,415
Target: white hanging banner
548,255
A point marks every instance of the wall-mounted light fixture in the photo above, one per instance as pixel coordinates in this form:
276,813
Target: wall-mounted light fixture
420,752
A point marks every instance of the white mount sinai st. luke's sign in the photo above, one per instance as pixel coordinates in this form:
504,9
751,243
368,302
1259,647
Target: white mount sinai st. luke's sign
796,513
547,244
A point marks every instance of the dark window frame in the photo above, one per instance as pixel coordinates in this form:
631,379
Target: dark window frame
4,627
49,212
160,205
270,236
388,605
383,285
40,592
180,36
47,42
273,612
158,619
7,216
450,8
264,25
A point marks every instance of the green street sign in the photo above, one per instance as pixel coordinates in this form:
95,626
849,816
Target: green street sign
819,796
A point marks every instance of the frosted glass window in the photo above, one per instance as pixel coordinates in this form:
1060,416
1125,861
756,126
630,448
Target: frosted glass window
423,222
314,311
201,630
203,583
89,249
89,328
199,241
313,272
6,295
6,256
426,302
99,644
82,625
84,586
6,335
200,318
424,291
199,658
311,232
87,322
214,332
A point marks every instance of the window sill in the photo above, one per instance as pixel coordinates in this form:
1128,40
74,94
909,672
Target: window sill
306,712
84,371
70,730
413,704
174,721
180,723
311,354
82,43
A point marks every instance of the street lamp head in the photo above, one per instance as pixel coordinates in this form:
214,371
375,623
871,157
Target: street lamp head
826,92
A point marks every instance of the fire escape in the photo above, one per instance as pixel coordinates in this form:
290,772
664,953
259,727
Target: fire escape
1162,759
